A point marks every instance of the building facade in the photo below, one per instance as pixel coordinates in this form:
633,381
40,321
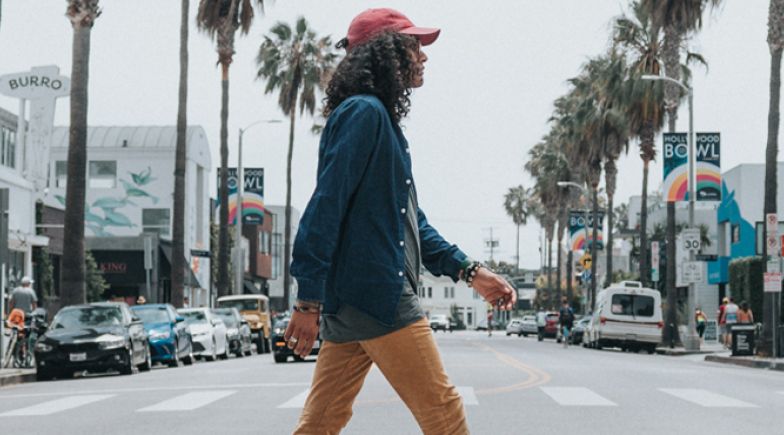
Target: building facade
278,253
438,294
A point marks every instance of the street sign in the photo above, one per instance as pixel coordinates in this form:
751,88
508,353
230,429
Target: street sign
706,257
692,272
199,253
772,282
586,261
774,264
691,239
772,244
655,261
771,223
147,253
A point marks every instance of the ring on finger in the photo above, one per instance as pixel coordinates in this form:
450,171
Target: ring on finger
293,340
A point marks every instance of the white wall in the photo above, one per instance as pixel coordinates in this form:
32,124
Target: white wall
464,298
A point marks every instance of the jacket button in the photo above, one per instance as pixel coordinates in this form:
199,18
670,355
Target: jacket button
408,181
400,274
403,211
401,243
408,150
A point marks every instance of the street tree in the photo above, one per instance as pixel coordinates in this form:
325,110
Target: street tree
178,223
82,15
220,19
296,62
775,44
516,205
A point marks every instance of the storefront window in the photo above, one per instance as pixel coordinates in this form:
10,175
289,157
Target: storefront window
103,174
7,147
60,173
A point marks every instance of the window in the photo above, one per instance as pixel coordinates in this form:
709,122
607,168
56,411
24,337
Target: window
156,220
102,174
265,243
7,147
632,305
476,295
430,292
452,292
277,255
446,292
60,173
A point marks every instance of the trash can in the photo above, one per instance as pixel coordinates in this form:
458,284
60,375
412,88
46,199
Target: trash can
742,340
780,349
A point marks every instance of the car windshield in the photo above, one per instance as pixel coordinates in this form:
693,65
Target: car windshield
529,319
241,304
87,317
438,317
152,315
227,317
282,324
194,317
632,305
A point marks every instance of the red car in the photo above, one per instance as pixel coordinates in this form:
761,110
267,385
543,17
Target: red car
550,326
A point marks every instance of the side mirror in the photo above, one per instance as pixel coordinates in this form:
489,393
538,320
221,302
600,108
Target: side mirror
135,319
215,322
179,319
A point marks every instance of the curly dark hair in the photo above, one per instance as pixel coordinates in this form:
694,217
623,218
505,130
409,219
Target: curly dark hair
382,67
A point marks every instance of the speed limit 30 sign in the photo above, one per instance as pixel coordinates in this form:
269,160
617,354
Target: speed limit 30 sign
691,239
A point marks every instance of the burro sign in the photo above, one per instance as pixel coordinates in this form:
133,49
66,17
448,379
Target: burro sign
42,86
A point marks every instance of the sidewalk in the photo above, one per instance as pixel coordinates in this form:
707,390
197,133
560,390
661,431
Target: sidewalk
16,376
705,348
748,361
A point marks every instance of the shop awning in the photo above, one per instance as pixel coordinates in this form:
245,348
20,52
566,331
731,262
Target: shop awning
190,278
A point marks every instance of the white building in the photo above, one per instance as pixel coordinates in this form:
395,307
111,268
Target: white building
130,189
278,251
437,295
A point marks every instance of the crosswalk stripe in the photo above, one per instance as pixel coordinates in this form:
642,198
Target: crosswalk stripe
297,401
468,395
188,401
576,396
57,405
706,398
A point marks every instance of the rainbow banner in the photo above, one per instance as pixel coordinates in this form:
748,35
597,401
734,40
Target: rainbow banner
577,237
252,196
708,166
676,167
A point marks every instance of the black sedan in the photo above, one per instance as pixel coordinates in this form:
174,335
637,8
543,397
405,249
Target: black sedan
280,351
576,336
238,331
95,337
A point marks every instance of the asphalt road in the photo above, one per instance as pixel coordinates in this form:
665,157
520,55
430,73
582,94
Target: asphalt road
510,385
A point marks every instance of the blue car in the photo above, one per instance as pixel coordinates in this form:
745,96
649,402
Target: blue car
168,334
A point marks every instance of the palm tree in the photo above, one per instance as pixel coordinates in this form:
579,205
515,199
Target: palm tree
178,224
516,206
641,40
776,44
295,62
82,14
220,19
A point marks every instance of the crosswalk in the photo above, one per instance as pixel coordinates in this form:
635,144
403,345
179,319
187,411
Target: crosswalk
567,396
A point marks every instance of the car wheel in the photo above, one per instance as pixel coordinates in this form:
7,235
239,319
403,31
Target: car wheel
226,351
43,375
147,364
214,354
260,343
175,361
524,334
127,368
651,349
280,358
188,360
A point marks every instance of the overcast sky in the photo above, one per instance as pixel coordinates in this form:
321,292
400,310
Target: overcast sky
489,87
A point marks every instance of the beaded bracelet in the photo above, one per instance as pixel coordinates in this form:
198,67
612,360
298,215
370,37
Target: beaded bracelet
304,309
471,271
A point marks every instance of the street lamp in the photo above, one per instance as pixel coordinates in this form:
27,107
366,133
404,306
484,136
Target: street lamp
239,268
585,226
692,342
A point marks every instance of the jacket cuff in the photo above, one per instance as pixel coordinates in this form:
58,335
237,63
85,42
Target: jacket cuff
311,289
452,268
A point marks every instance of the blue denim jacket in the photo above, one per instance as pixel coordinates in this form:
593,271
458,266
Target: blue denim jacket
349,246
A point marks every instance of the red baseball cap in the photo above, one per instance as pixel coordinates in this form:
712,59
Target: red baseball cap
374,21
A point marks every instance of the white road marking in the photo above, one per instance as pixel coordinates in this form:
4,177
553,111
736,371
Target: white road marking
706,398
149,389
297,401
468,395
576,396
188,401
57,405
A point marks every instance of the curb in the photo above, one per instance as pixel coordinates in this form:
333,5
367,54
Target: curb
681,352
743,362
16,378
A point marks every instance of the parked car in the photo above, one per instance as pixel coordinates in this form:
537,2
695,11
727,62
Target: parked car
627,316
280,351
168,334
95,337
255,309
481,325
528,325
551,326
208,332
576,335
237,331
515,326
440,322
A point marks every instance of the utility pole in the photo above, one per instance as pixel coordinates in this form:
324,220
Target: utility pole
491,243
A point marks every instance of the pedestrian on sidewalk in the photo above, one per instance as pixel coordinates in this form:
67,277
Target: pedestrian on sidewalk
730,316
362,238
745,316
720,316
24,297
541,322
702,320
490,322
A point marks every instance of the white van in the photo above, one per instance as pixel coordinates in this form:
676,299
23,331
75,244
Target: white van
627,316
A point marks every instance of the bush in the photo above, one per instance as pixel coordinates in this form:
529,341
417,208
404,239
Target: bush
746,282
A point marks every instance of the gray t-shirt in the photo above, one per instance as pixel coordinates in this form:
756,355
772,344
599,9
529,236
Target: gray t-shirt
23,298
352,324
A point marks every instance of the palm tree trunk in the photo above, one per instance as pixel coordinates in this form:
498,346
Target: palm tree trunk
550,266
224,285
610,175
72,280
287,232
569,291
643,225
670,331
178,224
595,236
517,255
671,52
558,270
770,308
